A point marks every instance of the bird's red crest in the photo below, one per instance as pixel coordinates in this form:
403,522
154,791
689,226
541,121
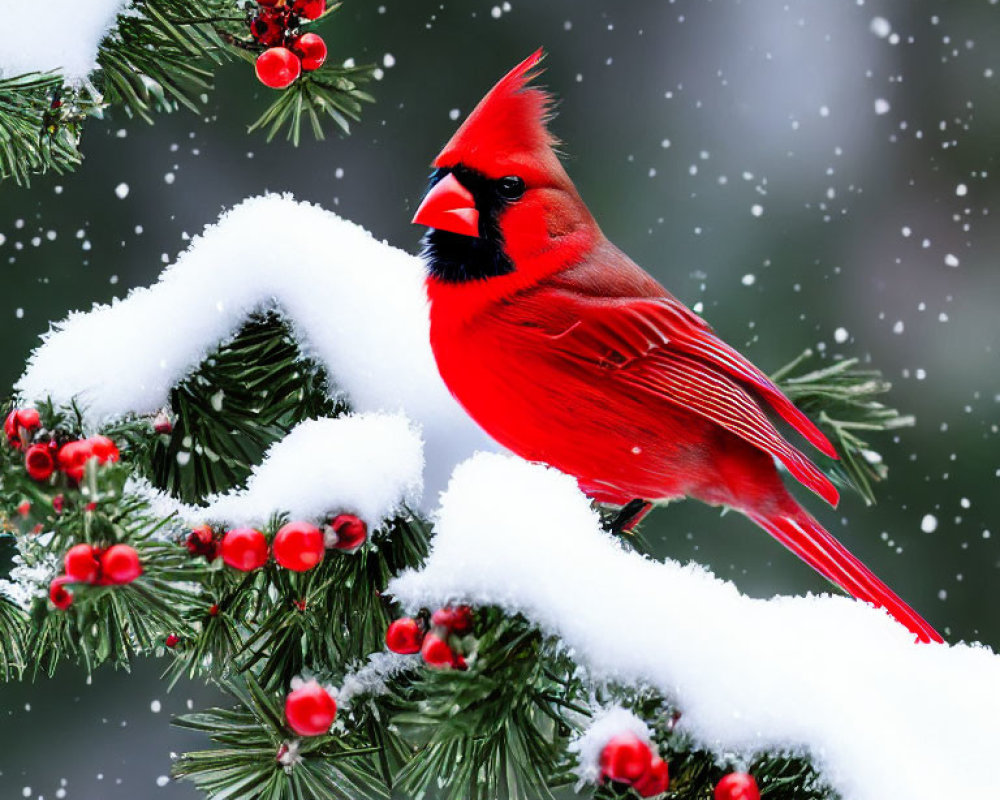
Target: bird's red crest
508,121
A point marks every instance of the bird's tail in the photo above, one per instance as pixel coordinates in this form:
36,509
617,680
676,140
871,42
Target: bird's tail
805,537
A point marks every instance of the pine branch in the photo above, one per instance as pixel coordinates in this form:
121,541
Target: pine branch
500,728
13,634
151,62
161,57
39,131
244,398
334,614
843,401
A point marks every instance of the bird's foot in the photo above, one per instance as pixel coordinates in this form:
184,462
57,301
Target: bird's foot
628,516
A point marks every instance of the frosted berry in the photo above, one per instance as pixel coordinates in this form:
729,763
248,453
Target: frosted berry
201,542
350,532
21,420
38,462
298,546
457,619
311,48
278,67
120,564
61,597
655,781
162,423
437,653
81,563
404,636
310,9
310,710
737,786
244,549
626,758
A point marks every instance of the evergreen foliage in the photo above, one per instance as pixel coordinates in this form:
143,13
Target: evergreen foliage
500,726
161,57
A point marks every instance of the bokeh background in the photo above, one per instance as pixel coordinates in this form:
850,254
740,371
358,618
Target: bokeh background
811,174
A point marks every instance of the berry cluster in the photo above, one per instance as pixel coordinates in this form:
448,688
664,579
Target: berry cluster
45,453
629,760
84,563
436,638
275,26
297,546
310,709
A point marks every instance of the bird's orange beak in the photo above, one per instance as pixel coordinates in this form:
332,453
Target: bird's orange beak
449,206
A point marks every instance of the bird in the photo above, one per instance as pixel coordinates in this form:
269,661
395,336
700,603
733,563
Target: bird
568,353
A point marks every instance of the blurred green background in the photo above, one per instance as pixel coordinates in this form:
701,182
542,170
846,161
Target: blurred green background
811,173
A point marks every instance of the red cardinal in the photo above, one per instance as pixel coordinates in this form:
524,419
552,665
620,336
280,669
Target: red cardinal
567,352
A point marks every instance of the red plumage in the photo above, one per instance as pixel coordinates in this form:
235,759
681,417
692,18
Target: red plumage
568,353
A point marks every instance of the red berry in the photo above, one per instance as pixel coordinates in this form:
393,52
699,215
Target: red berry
57,503
201,542
278,67
60,596
73,458
24,507
269,3
103,448
655,781
269,27
457,619
298,546
38,462
437,653
404,636
213,610
737,786
626,758
310,710
310,9
244,549
81,563
120,564
172,640
20,420
311,48
350,532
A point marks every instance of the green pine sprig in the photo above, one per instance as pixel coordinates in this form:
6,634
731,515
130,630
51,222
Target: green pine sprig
843,399
329,94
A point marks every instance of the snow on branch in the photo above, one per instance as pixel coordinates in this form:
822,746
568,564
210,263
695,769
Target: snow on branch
879,715
66,43
368,465
354,304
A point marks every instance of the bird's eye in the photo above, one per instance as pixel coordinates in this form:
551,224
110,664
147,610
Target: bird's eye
511,187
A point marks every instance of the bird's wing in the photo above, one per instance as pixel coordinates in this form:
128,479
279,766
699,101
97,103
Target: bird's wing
659,346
